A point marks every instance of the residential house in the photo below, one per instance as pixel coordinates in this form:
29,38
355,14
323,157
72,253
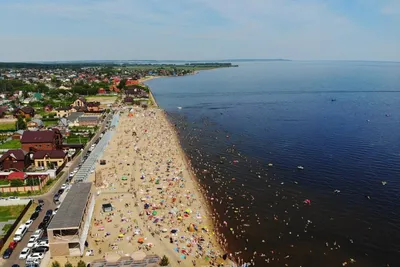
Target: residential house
17,135
93,106
88,121
128,100
15,159
80,102
73,118
35,125
136,92
101,91
48,108
3,111
41,140
63,112
49,159
25,112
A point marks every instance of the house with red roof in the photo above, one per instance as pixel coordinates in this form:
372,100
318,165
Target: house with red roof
51,159
101,91
41,140
15,159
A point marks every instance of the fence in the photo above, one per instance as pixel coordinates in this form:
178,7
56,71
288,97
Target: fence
15,224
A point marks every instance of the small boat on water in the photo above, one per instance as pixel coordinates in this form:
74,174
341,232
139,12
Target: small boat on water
179,107
300,167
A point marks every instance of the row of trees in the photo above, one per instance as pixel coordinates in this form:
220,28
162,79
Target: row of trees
81,263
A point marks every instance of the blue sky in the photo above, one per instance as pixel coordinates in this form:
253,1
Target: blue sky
36,30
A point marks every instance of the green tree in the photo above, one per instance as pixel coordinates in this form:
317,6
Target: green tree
32,182
20,124
68,264
42,88
81,263
164,261
55,264
17,183
122,84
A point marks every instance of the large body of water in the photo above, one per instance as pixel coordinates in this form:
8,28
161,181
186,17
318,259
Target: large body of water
339,120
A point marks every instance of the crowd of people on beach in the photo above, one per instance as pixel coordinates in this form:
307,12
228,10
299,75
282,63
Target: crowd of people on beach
156,203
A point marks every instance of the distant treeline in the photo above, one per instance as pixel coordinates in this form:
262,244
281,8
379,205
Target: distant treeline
214,65
78,65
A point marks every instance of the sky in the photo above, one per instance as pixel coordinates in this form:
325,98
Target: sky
50,30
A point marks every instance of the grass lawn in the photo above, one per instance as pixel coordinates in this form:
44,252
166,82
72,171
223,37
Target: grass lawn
7,126
12,144
50,123
6,228
10,212
77,140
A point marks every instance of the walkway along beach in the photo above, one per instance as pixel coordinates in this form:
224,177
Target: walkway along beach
156,203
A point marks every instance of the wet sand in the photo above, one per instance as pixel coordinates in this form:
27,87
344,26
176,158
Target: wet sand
157,204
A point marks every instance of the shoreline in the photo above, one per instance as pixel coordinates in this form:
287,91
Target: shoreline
223,247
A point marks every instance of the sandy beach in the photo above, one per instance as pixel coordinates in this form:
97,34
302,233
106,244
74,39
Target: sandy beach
157,205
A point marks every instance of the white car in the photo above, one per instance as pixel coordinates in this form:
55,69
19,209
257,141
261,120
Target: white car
24,253
34,257
32,242
38,233
63,186
28,223
42,244
13,198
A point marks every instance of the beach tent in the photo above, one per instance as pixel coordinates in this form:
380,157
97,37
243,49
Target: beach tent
107,207
124,178
191,228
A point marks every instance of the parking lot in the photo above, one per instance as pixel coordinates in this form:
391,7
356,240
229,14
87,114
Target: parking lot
32,244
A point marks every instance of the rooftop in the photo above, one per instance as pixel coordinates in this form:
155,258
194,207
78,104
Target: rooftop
72,208
37,137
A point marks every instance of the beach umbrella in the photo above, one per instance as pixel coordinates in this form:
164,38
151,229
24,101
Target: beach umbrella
191,228
164,230
174,231
141,240
124,178
154,212
188,211
120,235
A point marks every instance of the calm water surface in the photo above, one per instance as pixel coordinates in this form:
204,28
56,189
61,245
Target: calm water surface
339,120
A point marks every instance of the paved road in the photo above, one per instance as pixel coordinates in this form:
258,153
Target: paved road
48,202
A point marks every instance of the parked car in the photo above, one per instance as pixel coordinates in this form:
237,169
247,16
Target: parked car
64,186
35,256
40,249
15,265
42,226
24,253
34,216
13,244
38,208
31,242
28,223
13,198
47,218
44,243
7,253
41,202
60,192
49,212
38,233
